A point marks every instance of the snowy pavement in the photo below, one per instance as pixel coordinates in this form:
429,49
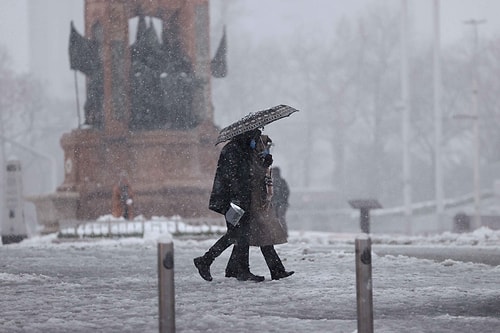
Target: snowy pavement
111,286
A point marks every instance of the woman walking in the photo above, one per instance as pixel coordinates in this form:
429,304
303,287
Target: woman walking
265,229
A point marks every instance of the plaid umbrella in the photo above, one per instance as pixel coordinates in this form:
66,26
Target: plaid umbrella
253,121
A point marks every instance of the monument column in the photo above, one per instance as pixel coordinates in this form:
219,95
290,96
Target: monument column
201,58
111,18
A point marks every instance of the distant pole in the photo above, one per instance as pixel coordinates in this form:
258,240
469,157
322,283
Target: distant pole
3,165
166,288
405,115
364,288
77,101
475,113
438,118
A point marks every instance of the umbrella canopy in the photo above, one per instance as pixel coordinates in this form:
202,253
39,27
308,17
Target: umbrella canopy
253,121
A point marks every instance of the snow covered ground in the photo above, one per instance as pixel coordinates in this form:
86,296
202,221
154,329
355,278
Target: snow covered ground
110,285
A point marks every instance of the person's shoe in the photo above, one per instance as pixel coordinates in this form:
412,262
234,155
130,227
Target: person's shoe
203,268
231,274
247,276
281,275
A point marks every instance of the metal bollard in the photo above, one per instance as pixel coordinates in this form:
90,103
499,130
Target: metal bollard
364,285
166,289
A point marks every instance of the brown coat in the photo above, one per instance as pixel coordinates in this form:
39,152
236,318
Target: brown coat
265,226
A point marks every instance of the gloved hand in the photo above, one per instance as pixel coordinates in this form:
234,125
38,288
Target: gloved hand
268,160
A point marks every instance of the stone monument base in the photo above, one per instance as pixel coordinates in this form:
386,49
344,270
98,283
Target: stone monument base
170,173
54,207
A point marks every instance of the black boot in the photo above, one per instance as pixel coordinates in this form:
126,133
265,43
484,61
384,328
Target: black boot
239,264
274,263
203,263
203,268
230,274
248,276
281,275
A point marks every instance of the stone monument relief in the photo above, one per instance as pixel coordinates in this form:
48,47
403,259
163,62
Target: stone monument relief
147,112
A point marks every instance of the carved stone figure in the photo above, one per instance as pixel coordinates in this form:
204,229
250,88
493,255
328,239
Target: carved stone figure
85,56
162,80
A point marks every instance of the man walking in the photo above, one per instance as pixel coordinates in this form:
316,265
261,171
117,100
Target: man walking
232,187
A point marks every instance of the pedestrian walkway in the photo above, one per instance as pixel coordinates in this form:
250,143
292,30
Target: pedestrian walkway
111,286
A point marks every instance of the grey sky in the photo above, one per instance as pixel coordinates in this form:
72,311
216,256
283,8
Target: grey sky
279,17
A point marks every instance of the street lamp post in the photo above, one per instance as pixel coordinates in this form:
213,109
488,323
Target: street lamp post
405,104
477,180
3,164
438,117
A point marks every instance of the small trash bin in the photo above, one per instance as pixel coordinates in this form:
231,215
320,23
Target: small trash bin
461,223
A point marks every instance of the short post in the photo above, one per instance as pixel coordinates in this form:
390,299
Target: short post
364,206
166,289
364,285
12,224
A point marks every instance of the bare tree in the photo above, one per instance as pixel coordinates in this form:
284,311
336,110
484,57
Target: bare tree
22,116
346,83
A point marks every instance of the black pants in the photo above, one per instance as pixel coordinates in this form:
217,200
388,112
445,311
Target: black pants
239,237
272,259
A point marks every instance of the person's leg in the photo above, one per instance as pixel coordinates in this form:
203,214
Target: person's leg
232,264
242,253
238,265
203,263
274,263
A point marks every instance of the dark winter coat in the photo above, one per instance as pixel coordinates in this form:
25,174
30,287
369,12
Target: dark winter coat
232,176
